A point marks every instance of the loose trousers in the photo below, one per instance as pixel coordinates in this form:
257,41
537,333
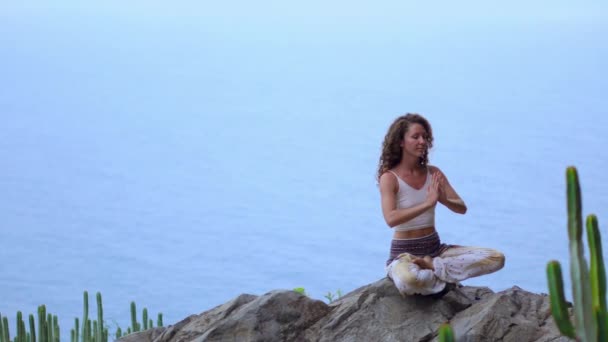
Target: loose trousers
452,265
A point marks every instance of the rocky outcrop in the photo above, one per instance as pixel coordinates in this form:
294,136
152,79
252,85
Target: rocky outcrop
376,312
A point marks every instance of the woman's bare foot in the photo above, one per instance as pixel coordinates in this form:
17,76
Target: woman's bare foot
425,263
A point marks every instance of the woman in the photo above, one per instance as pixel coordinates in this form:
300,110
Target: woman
410,189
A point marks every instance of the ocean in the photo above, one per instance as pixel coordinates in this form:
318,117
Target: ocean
178,163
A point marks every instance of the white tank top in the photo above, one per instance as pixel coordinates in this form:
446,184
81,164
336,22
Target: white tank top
408,197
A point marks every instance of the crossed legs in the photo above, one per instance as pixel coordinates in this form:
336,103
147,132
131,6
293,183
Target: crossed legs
426,275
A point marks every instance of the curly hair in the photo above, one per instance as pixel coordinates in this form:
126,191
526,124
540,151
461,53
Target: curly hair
391,147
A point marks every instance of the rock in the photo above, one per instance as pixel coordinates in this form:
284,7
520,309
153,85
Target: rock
511,315
376,312
148,335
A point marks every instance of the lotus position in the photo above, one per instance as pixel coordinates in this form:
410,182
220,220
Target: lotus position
410,189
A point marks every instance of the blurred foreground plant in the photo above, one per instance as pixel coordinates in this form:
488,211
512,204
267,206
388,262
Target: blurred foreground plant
588,284
446,334
91,331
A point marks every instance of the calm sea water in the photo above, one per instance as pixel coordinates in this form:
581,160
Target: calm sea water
179,164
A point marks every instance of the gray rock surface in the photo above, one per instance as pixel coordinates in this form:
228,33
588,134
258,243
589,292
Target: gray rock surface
376,312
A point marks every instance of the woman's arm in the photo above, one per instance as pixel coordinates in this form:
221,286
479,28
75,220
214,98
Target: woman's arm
388,194
447,194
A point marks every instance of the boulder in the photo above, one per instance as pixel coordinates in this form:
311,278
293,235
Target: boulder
376,312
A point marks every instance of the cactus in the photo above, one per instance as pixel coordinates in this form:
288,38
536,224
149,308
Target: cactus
18,337
32,329
55,329
446,334
76,330
21,334
41,323
85,316
5,333
145,318
1,329
86,337
95,329
134,324
99,330
159,321
588,284
87,331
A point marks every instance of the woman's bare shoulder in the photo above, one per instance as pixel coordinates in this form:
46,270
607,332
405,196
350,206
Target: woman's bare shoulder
434,168
388,180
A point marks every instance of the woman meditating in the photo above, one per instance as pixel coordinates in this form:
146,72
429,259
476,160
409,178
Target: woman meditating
410,189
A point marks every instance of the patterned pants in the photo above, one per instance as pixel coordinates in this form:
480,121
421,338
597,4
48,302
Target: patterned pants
451,264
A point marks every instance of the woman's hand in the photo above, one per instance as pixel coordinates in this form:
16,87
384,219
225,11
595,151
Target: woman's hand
447,194
433,194
441,187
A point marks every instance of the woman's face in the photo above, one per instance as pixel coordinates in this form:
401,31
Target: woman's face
415,140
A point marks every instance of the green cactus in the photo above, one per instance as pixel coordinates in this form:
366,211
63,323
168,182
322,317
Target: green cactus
99,330
76,330
32,329
88,331
94,332
145,318
85,316
55,329
588,284
41,323
5,336
446,334
86,337
1,329
159,321
56,332
49,328
134,324
21,331
18,337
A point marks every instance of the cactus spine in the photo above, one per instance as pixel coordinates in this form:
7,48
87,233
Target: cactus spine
588,284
